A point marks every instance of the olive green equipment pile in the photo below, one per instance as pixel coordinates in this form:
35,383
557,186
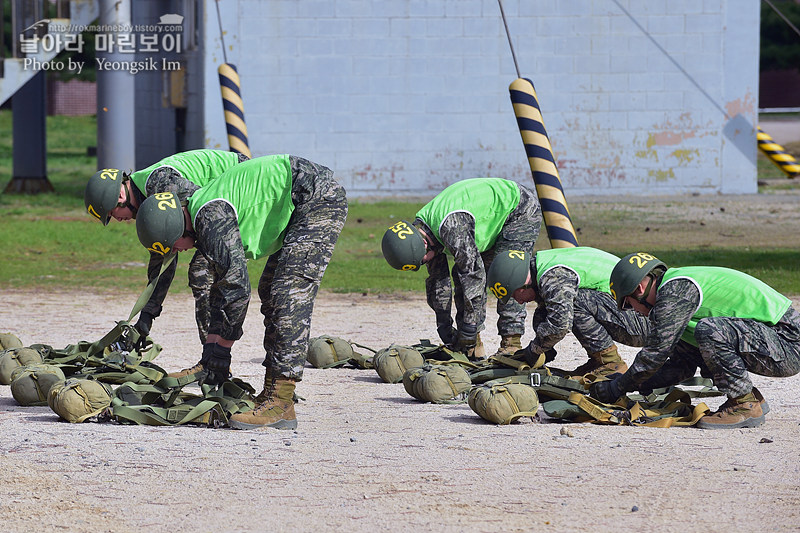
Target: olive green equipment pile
77,399
437,383
30,384
327,351
9,340
14,358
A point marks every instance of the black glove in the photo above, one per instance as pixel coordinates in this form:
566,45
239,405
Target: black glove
466,338
143,326
549,355
526,354
608,390
447,333
216,360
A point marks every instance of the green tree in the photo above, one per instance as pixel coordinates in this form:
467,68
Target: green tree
780,44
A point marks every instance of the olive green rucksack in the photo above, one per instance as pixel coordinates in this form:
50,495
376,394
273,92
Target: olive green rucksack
392,362
77,399
437,383
14,358
30,384
9,340
328,352
503,402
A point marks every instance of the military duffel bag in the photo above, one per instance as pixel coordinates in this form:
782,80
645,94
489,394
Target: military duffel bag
14,358
328,352
77,399
30,384
9,340
502,403
437,383
392,362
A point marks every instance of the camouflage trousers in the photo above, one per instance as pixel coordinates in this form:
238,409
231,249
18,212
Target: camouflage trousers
728,348
518,233
201,279
598,322
291,277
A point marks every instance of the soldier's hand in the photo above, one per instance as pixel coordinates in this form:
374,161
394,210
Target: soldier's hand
447,333
466,338
142,327
607,390
217,362
529,356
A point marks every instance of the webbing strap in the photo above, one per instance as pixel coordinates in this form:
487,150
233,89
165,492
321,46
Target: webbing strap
148,291
518,413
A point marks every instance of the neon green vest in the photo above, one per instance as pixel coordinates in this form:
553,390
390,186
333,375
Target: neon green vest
197,166
592,266
729,293
488,200
260,191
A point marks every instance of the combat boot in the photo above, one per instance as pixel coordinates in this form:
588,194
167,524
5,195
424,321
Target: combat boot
478,353
275,411
187,371
601,364
509,344
743,412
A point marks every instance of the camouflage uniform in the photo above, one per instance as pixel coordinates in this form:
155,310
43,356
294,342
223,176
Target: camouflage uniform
591,314
164,179
291,277
469,266
598,322
728,347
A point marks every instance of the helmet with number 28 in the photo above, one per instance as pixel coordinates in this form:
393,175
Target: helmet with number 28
403,246
629,272
507,273
160,222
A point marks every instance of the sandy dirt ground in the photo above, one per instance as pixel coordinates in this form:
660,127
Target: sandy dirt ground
368,457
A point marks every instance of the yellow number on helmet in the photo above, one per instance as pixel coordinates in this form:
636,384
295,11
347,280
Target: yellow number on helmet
641,259
401,229
159,248
498,290
109,173
166,199
92,212
516,254
613,292
409,267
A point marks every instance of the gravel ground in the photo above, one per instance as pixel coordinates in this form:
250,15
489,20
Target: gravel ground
368,457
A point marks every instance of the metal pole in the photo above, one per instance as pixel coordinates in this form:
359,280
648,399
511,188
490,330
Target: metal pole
116,98
508,35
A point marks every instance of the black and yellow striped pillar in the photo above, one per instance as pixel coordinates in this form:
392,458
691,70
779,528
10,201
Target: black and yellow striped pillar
543,164
777,154
234,109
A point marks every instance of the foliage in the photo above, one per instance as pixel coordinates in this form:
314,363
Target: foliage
780,45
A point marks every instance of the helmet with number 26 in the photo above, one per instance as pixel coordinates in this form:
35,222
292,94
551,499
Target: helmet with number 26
629,272
507,273
403,246
160,222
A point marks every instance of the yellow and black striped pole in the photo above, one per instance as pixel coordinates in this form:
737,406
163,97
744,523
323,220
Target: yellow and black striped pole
234,109
777,154
543,164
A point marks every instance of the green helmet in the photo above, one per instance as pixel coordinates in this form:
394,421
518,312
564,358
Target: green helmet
403,246
102,192
507,273
160,222
629,272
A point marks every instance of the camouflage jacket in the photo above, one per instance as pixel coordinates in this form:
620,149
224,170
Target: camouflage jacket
675,305
555,299
458,236
164,179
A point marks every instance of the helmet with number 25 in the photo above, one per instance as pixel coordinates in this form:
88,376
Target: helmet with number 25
403,246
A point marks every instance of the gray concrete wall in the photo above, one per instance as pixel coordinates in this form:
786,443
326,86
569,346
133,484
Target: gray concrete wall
408,96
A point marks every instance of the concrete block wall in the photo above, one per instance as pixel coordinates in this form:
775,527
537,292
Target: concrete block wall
407,96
